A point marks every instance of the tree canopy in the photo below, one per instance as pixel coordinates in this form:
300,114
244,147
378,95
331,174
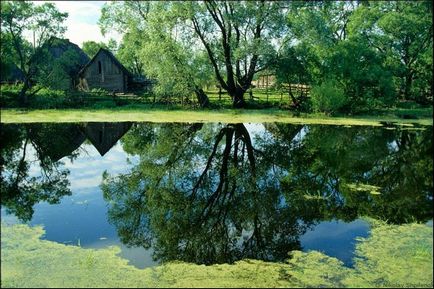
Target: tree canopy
43,21
369,52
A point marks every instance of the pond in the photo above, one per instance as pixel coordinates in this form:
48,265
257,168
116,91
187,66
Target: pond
214,193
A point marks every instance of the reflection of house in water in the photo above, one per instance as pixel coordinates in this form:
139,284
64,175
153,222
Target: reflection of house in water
57,141
104,135
68,145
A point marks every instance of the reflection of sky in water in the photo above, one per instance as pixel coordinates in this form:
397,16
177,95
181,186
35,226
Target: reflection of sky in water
82,217
335,238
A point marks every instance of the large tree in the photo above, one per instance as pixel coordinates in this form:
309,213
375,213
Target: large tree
43,21
237,37
151,45
403,33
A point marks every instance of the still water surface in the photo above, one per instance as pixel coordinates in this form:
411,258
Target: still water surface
213,193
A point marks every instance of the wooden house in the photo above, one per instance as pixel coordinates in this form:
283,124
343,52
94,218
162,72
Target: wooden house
106,72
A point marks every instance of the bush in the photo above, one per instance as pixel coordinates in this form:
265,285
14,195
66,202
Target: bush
9,94
48,98
328,97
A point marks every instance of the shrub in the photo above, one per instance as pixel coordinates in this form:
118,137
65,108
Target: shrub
9,94
328,97
48,98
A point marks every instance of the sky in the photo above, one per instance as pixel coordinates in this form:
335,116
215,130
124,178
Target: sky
82,21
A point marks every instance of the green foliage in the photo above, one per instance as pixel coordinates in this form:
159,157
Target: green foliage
160,40
45,21
92,47
378,52
402,33
8,95
375,50
48,98
328,97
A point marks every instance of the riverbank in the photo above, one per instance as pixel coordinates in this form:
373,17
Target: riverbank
407,117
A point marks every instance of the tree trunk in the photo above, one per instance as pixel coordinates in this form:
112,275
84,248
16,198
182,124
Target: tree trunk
408,84
238,99
294,100
202,98
22,97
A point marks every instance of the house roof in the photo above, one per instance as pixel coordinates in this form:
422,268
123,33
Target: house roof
111,56
59,46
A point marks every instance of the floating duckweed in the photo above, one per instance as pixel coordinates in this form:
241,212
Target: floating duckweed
393,256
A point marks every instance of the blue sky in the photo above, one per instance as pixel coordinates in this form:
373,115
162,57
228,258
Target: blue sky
82,20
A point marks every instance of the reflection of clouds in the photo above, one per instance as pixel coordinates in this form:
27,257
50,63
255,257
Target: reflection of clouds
86,171
80,183
9,219
334,229
254,129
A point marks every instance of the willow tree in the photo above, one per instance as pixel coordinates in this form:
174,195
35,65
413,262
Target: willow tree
237,37
156,42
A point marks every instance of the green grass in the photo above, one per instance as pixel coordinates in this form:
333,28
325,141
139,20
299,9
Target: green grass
393,256
150,114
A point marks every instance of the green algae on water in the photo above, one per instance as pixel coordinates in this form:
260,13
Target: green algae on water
393,256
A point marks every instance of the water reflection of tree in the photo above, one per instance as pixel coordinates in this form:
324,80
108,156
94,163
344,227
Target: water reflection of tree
21,189
206,194
202,193
398,161
43,145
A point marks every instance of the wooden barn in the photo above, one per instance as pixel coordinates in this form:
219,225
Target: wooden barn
106,72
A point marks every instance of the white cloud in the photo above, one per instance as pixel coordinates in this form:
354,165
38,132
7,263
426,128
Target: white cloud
88,11
82,21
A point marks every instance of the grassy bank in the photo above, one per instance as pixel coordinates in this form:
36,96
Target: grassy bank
404,117
393,256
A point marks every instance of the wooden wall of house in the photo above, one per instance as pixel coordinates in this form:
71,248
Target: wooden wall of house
110,78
